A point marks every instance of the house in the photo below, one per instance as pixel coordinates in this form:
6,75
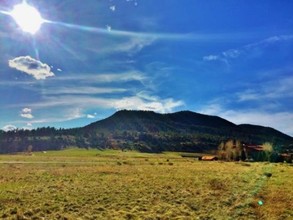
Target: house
253,152
235,150
208,158
286,157
252,147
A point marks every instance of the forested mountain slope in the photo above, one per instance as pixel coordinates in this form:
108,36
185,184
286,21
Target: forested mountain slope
145,131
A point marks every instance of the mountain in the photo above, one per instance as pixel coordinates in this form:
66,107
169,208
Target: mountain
148,121
145,131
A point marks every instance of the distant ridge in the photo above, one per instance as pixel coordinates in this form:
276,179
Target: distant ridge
146,131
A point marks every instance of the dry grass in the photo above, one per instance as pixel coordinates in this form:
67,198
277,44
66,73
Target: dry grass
128,185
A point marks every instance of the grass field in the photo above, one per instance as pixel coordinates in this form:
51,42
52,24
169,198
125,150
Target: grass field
92,184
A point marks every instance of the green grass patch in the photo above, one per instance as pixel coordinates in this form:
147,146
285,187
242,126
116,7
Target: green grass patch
93,184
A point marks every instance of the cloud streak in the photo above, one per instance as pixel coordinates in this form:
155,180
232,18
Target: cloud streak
121,33
132,46
64,115
276,89
31,66
74,107
106,77
136,102
82,90
197,37
237,52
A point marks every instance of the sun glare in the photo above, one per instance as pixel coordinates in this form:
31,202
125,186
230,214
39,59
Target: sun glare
27,17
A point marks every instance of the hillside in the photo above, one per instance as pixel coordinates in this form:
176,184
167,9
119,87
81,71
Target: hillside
180,131
145,131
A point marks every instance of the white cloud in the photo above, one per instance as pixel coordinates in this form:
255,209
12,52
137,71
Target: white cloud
113,8
210,57
27,128
29,116
74,113
282,121
90,116
26,113
150,104
109,28
26,110
9,128
233,53
31,66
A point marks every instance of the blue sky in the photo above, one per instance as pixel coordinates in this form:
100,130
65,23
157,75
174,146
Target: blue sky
231,58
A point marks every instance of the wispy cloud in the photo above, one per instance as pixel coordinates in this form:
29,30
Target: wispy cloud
106,77
127,45
219,58
129,102
211,57
74,107
237,52
31,66
89,78
269,90
82,90
232,53
65,114
133,45
268,41
281,120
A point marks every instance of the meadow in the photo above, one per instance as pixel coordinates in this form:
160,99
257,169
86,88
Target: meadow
94,184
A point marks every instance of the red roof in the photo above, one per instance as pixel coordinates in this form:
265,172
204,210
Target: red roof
254,147
209,158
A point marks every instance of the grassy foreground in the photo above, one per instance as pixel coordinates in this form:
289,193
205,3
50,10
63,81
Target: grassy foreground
92,184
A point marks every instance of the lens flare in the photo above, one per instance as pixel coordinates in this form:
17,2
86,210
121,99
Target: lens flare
27,17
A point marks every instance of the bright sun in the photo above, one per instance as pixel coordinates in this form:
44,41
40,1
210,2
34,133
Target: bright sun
27,17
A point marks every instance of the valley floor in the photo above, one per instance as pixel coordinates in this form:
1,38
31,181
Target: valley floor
92,184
